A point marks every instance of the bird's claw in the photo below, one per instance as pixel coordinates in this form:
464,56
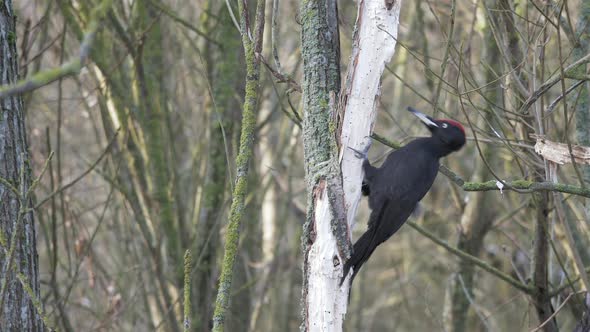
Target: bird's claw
362,154
359,154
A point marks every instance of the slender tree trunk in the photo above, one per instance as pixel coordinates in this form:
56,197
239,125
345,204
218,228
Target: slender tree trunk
222,68
582,110
150,76
251,49
513,48
18,252
475,223
149,79
476,219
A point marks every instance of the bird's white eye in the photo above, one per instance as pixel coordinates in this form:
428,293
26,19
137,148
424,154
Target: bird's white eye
444,125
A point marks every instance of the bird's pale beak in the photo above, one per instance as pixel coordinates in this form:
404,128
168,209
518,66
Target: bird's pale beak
428,121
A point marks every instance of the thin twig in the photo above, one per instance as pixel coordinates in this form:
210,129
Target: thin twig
282,78
556,311
71,67
570,71
554,103
81,176
476,261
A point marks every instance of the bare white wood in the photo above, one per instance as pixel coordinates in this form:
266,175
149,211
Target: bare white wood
374,46
376,39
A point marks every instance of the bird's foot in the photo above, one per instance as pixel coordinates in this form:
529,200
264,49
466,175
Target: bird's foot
362,154
359,154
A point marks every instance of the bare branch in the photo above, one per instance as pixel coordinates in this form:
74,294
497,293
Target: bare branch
71,67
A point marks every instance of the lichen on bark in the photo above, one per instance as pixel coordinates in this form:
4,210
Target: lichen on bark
17,311
321,84
248,130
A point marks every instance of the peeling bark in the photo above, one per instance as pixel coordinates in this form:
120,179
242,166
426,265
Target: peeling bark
333,174
374,41
323,304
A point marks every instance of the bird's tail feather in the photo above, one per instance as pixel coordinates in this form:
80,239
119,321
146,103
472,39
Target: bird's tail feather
365,245
363,248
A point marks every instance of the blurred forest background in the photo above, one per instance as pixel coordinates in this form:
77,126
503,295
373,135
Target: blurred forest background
145,142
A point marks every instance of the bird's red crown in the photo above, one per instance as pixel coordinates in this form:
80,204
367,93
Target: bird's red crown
454,123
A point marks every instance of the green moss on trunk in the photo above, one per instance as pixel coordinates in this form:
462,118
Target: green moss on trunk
321,79
248,130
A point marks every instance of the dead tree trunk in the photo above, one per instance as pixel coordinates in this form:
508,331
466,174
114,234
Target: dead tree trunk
333,183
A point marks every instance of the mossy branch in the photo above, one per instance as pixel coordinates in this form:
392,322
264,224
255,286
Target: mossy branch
249,114
71,67
528,186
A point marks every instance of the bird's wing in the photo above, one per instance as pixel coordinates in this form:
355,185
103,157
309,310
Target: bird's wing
396,187
403,179
386,220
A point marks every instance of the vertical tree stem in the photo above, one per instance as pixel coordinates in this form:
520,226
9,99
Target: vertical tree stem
188,262
251,49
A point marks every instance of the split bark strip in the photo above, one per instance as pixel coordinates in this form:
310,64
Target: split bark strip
251,49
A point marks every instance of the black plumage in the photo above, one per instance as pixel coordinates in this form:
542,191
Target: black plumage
395,188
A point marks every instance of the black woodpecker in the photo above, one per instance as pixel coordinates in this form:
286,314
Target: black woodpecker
395,188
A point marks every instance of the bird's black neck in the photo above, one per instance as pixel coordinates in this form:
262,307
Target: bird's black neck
433,145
